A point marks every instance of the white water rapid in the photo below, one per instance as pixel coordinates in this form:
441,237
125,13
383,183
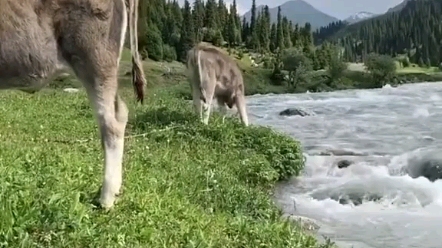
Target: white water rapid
392,136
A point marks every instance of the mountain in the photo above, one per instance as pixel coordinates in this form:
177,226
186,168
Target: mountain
414,31
398,7
298,11
359,17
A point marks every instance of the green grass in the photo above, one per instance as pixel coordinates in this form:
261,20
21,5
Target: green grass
185,184
412,69
417,69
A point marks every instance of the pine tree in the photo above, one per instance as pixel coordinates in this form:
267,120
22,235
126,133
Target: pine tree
253,41
273,38
286,32
231,27
245,29
187,38
279,31
198,16
237,20
253,17
264,29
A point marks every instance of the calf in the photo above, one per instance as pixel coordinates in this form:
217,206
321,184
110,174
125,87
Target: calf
214,74
40,38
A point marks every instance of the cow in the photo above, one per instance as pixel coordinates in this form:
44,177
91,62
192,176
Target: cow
214,74
41,38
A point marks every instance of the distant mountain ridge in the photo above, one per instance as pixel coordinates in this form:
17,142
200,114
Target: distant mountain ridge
298,11
363,15
398,7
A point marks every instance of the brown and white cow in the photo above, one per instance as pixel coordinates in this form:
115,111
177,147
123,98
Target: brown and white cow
214,74
39,38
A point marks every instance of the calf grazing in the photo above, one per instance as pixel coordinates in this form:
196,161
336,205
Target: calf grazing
213,74
40,38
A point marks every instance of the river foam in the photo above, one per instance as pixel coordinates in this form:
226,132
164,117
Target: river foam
381,199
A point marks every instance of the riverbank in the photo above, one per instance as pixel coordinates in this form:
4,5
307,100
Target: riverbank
259,80
184,182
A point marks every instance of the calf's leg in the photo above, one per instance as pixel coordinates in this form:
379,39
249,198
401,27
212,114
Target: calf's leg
112,116
241,106
208,84
196,98
101,82
222,108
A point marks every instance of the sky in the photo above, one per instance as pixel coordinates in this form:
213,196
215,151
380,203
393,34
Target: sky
340,9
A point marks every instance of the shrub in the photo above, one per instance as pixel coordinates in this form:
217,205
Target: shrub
154,43
381,67
169,53
298,66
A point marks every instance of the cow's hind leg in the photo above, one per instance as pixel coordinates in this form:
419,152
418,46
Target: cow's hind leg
207,106
93,48
208,86
112,116
101,83
196,98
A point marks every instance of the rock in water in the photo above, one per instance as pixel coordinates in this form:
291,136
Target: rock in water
431,169
344,163
304,223
427,165
294,111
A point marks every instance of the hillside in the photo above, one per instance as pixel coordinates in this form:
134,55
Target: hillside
415,31
298,11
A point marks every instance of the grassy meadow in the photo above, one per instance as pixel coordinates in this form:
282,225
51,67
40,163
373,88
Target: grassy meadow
412,69
185,184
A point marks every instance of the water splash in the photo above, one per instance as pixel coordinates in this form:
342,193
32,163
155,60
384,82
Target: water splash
391,136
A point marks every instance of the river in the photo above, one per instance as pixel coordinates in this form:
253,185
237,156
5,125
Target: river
379,200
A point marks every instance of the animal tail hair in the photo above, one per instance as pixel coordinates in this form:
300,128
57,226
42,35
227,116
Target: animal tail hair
138,77
200,74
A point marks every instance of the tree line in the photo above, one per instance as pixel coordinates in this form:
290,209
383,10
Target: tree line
167,31
413,33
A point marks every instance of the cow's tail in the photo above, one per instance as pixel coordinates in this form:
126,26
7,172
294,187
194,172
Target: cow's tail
138,77
200,74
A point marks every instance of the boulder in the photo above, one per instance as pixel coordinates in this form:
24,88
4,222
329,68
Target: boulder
306,224
432,170
425,163
347,196
344,163
294,111
429,167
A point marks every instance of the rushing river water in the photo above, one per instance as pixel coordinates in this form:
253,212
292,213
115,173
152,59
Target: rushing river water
391,131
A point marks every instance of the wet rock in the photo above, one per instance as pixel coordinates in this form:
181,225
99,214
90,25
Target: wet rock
304,223
294,111
345,196
430,168
356,199
344,163
427,164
